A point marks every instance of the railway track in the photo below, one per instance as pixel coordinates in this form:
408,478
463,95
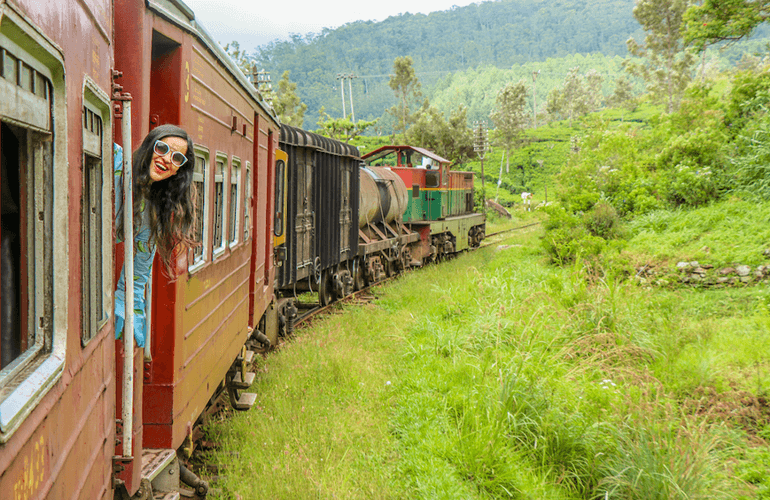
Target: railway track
486,243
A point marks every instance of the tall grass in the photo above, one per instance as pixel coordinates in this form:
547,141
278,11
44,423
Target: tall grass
496,375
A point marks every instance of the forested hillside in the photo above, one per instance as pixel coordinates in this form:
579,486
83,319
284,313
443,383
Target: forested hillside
493,33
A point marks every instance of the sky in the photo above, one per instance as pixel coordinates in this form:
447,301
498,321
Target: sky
252,23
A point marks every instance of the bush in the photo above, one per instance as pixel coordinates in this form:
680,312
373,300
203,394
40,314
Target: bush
603,221
566,237
690,187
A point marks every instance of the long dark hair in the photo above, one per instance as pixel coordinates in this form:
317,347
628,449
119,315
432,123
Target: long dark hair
170,202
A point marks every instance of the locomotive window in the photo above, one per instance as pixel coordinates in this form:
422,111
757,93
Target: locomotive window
235,201
220,205
278,219
95,219
34,177
432,179
247,203
200,253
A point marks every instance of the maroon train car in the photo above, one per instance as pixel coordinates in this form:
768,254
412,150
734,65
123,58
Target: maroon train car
61,376
200,322
57,352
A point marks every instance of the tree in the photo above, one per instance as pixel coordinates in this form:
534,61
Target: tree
406,86
623,95
717,21
287,104
571,99
510,117
341,129
594,96
244,61
449,138
665,64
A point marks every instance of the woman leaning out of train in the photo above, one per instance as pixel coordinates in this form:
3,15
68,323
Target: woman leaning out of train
163,213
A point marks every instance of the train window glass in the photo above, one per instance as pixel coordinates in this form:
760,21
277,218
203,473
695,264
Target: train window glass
235,201
432,179
247,202
220,205
9,66
280,172
200,253
34,178
95,219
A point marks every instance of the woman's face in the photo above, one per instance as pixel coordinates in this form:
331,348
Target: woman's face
165,165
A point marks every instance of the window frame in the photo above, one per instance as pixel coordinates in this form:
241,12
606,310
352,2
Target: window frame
196,263
247,197
279,208
98,102
26,380
221,245
234,211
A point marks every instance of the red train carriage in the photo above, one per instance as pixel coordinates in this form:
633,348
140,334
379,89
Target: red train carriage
177,74
57,383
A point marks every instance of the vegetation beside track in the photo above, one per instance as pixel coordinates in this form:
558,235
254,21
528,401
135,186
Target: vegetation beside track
499,375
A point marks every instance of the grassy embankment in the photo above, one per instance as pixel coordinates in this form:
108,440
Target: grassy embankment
497,375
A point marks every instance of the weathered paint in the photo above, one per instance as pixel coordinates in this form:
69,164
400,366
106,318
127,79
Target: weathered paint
62,447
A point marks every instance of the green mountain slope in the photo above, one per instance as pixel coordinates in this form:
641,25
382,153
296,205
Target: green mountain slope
494,33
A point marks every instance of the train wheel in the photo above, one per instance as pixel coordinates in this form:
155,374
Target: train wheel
388,268
325,290
359,275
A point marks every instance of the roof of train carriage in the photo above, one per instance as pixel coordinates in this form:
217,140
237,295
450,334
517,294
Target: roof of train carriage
298,137
386,150
178,13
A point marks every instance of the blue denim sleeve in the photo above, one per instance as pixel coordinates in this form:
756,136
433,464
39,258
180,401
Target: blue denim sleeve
144,253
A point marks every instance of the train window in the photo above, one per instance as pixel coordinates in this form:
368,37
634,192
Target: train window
280,172
95,219
432,179
235,201
247,202
220,205
34,177
200,253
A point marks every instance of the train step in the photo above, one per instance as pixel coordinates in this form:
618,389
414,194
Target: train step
166,495
245,401
247,357
240,383
161,468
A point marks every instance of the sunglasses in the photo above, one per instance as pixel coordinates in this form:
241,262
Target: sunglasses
162,149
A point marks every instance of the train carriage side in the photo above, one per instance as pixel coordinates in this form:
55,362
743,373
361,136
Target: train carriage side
321,215
200,321
57,387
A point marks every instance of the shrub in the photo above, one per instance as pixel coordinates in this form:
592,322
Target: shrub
566,237
691,187
603,221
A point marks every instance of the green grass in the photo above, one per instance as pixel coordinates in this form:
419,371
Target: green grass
724,233
496,375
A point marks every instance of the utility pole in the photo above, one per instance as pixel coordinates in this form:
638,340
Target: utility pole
342,90
481,146
350,92
261,80
534,98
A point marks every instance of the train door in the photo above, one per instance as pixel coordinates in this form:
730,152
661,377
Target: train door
305,218
346,211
